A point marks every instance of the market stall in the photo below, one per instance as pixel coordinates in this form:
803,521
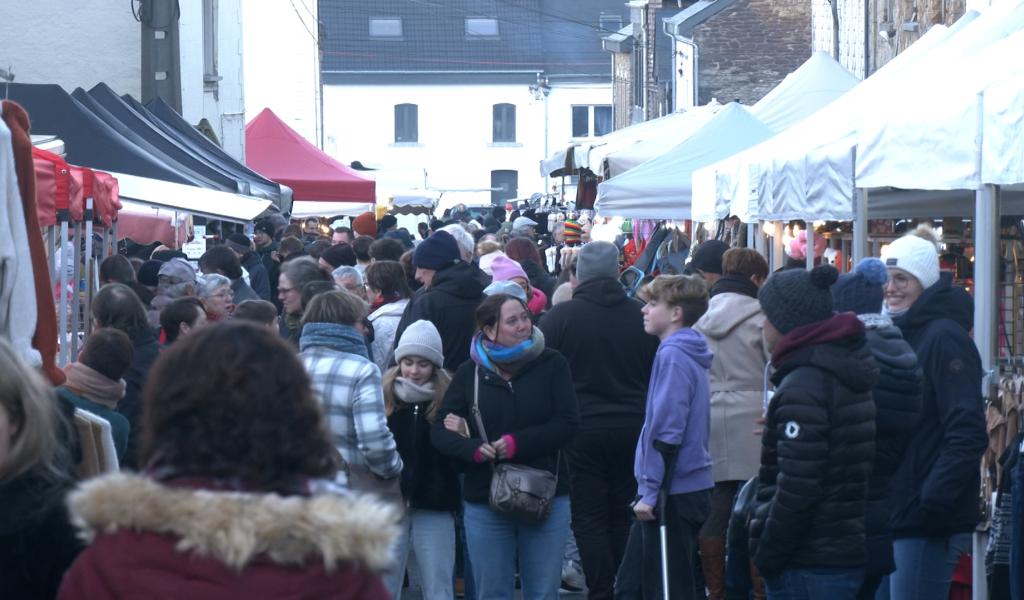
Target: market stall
321,185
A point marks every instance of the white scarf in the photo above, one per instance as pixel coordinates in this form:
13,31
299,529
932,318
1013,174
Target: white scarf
410,393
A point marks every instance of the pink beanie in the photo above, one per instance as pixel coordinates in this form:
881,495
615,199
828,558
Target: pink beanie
504,268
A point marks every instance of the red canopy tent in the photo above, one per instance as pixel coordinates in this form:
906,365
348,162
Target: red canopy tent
280,154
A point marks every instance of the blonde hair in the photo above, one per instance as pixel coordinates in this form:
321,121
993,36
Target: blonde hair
688,292
31,410
441,380
485,247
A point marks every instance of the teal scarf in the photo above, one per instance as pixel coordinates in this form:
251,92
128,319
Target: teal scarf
498,359
342,338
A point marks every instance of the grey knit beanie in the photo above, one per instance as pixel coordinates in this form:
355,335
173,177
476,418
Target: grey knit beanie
796,297
597,259
421,339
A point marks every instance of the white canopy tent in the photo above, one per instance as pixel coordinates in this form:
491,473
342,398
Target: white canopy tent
190,199
806,172
621,157
660,188
816,84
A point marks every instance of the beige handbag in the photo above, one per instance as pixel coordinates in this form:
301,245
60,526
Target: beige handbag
521,492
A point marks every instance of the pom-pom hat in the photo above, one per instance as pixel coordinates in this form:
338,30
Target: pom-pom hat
861,291
796,297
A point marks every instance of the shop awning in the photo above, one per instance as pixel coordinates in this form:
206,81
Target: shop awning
279,153
193,200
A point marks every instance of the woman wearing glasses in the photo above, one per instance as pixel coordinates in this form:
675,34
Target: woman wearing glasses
934,493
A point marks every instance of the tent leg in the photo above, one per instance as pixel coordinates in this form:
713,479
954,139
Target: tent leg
986,280
751,235
860,226
62,278
778,253
87,310
810,244
76,293
51,246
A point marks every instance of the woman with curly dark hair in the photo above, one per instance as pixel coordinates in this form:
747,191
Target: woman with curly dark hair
233,442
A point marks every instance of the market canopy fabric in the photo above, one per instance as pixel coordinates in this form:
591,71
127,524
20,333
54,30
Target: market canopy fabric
660,188
960,131
806,172
190,199
279,153
814,85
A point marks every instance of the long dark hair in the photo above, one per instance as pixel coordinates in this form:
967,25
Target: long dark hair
489,312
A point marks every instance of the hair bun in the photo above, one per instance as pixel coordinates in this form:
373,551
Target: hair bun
873,271
824,276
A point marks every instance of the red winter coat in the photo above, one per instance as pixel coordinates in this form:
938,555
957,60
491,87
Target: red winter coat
154,540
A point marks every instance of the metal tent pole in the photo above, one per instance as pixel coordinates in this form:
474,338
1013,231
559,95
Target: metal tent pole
986,281
860,225
87,310
778,252
62,278
76,293
51,247
810,244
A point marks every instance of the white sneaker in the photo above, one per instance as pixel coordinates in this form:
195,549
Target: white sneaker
572,576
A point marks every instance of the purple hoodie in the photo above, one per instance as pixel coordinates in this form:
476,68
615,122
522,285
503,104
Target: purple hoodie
678,412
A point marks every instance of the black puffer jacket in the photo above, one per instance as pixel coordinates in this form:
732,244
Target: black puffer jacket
897,408
537,407
539,278
429,478
450,304
817,450
37,541
611,363
935,491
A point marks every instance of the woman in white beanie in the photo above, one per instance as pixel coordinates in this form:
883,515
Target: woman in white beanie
413,391
934,492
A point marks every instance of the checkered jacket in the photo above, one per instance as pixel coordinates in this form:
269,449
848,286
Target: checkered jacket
350,391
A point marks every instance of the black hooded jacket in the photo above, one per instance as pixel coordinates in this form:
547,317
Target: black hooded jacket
935,491
601,333
145,352
37,541
817,450
450,304
897,409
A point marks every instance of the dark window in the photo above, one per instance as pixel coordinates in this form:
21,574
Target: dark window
406,123
504,186
210,42
386,28
481,28
580,121
504,129
602,120
609,22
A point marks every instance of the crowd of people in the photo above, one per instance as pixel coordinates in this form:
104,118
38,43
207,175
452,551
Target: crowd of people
303,413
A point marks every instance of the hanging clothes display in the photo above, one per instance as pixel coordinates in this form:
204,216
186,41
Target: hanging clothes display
44,338
586,190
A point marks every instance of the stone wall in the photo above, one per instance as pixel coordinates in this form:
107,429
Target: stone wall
749,48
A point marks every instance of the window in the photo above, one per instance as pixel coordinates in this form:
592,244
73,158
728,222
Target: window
481,28
210,42
504,186
591,120
504,129
602,119
609,22
580,121
386,28
406,124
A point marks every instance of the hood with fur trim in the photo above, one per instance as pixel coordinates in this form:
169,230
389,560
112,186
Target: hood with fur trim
235,528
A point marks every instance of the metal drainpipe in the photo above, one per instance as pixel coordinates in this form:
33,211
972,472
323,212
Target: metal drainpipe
867,38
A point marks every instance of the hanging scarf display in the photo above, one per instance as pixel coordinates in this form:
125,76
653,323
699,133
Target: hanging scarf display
505,360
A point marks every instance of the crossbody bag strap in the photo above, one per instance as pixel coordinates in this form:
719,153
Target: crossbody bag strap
476,405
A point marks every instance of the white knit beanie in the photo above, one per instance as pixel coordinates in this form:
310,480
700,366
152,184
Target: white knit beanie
916,256
421,339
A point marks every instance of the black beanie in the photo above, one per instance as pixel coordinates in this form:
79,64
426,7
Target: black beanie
708,257
340,255
861,292
795,298
437,252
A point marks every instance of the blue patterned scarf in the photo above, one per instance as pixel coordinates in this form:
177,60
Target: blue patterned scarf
342,338
502,359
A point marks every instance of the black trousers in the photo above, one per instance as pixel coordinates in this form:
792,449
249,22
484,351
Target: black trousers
639,575
603,487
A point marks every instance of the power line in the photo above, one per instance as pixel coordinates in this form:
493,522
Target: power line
303,21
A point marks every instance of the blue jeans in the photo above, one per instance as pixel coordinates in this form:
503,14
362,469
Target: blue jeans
495,541
431,535
924,567
815,583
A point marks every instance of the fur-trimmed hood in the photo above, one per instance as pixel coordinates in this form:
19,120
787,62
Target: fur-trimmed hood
237,527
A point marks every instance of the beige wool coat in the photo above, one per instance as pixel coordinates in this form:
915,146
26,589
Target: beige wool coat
732,326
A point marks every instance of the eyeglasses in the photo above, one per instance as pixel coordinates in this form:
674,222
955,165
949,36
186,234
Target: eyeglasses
900,281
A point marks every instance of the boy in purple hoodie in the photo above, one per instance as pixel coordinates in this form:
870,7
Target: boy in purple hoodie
677,414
